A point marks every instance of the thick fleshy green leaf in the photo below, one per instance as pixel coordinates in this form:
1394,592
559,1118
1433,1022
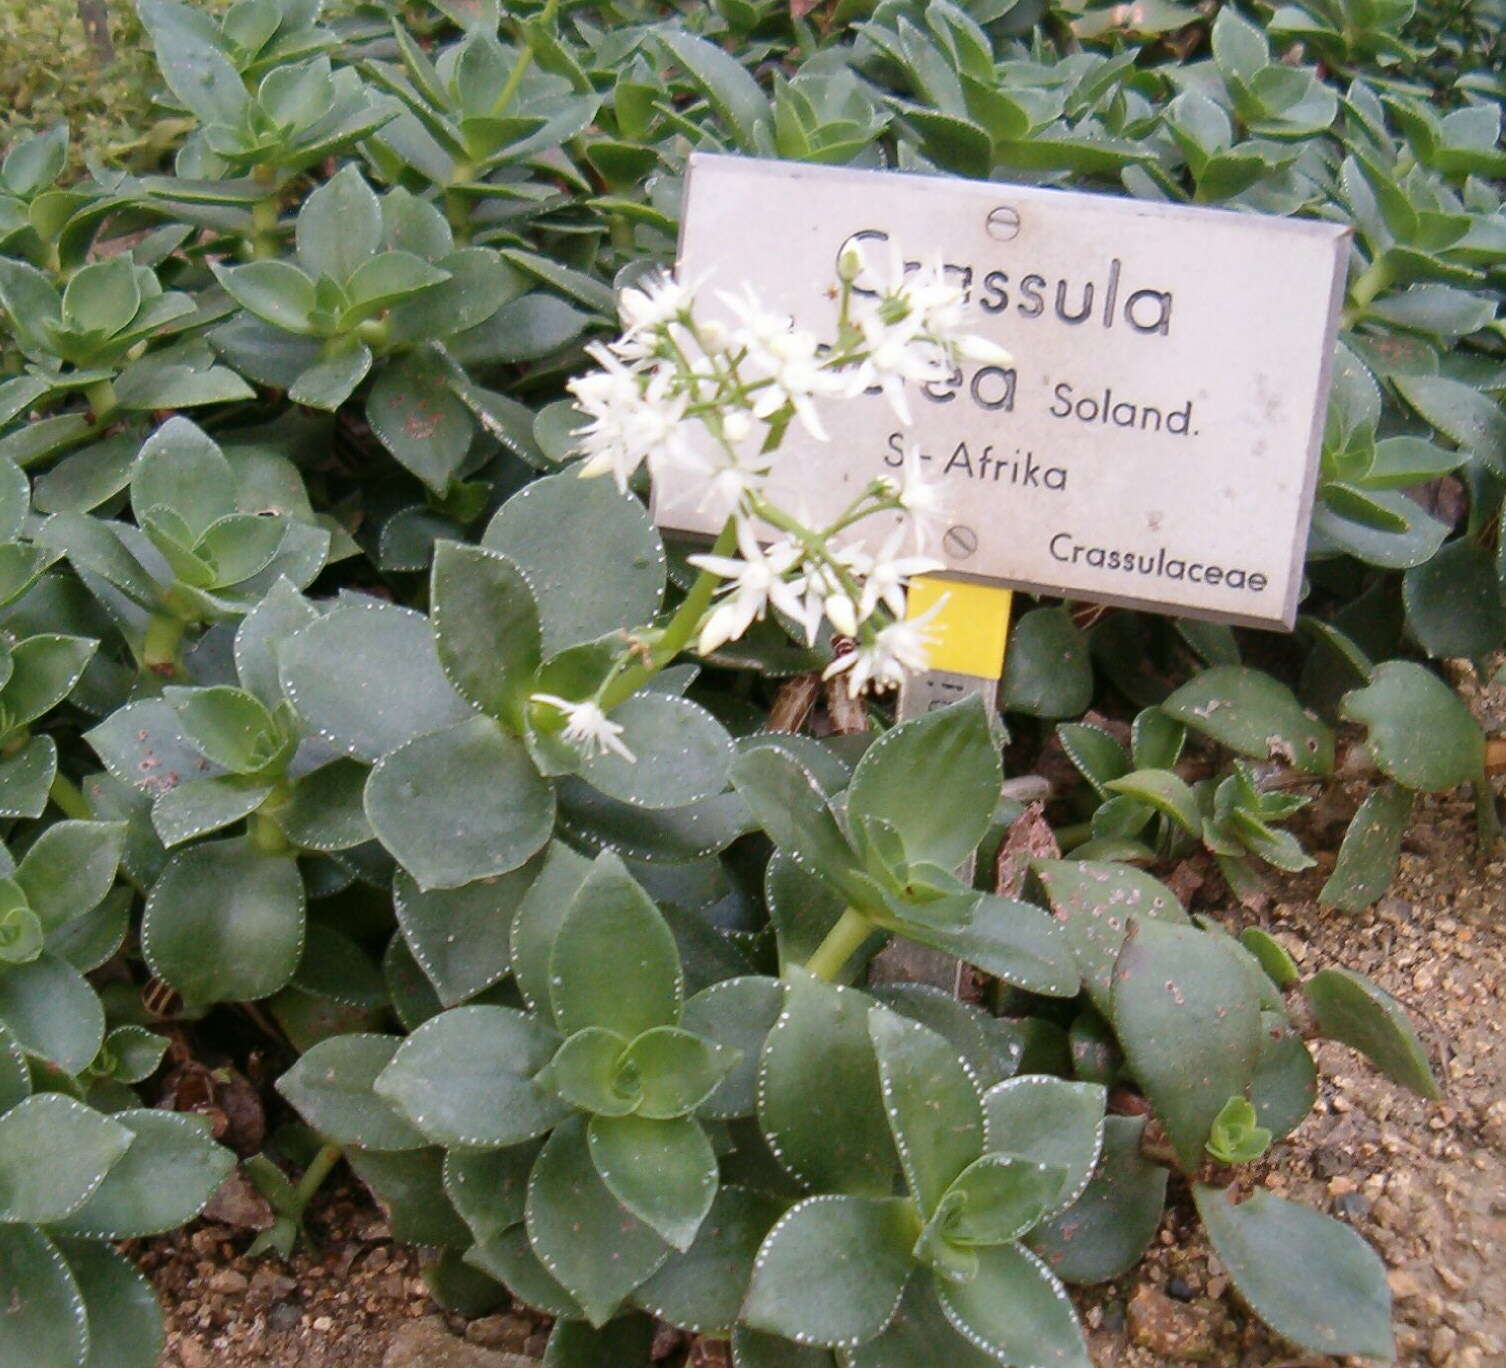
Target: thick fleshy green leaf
1309,1277
44,669
277,292
1419,730
409,1185
919,1336
537,920
995,1200
663,1171
170,1171
465,1077
1459,411
488,1187
1371,848
832,1270
26,777
984,1042
1050,1121
1188,1020
701,1289
366,678
510,1259
667,835
676,1069
486,628
591,555
125,1322
1015,1309
754,1349
261,632
460,804
574,1344
681,754
46,1322
54,1153
614,963
791,807
736,1013
199,806
326,810
1012,940
587,1072
1048,671
948,755
69,869
1285,1085
932,1104
592,1244
1453,602
225,922
52,1011
417,417
1368,1019
339,226
819,1099
230,726
1166,792
1253,714
332,1088
15,1077
1094,901
1098,756
461,936
1104,1233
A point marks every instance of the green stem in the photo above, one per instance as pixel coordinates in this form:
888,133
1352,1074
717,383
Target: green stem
1372,280
101,397
520,67
65,793
677,633
840,945
265,835
164,639
314,1176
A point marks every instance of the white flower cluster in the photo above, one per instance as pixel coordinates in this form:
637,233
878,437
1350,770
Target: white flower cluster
704,405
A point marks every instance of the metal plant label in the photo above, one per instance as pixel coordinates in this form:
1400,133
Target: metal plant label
1154,442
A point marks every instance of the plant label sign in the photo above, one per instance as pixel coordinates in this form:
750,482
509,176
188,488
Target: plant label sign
1154,441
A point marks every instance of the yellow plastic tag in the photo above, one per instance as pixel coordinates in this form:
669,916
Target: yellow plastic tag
969,632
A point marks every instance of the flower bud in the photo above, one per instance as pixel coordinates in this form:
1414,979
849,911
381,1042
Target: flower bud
736,426
850,263
971,347
841,614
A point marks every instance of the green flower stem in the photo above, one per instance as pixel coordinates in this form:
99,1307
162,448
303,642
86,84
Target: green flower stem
676,636
520,67
840,945
314,1176
164,641
65,793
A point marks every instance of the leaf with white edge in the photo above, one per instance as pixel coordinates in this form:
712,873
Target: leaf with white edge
52,1011
339,226
44,670
1285,1085
1168,793
993,1201
69,868
1457,410
171,1170
666,835
465,1077
1252,714
738,1014
326,810
1052,1122
792,809
676,1070
461,936
46,1324
277,292
1188,1020
1104,1233
1015,1309
919,1336
537,920
592,1244
932,1103
754,1349
573,1344
509,1258
486,628
26,778
142,744
409,1186
229,726
1353,1010
15,1077
701,1289
1372,846
332,1088
54,1152
116,1295
417,417
1099,758
1094,901
820,1104
950,756
981,1040
224,923
488,1187
1012,940
1420,732
663,1171
199,806
134,1053
1307,1276
591,555
681,754
281,613
832,1270
460,804
366,678
614,963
